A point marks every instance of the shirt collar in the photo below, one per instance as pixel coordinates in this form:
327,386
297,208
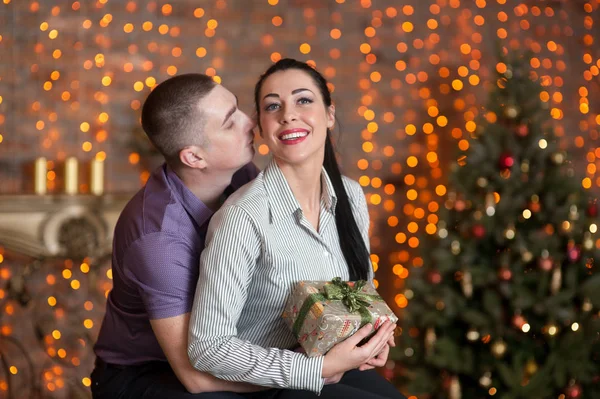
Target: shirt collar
193,206
281,199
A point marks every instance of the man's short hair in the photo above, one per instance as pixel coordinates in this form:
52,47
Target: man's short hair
170,115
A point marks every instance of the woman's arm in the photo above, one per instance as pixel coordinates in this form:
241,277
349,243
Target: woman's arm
226,268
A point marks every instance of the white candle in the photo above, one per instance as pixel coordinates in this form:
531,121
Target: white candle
97,177
40,176
71,176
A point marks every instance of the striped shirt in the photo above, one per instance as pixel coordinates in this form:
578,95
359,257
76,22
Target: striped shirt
258,246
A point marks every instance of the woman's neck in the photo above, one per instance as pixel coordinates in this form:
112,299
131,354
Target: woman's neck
305,182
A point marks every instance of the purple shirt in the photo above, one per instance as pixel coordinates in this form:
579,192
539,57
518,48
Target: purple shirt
156,252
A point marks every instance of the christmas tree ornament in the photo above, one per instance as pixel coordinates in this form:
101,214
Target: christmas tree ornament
460,205
455,247
588,242
505,274
574,391
508,73
551,329
490,204
522,130
472,335
531,367
477,215
443,233
498,348
486,379
455,391
592,209
435,277
573,252
573,212
509,233
545,262
482,182
558,158
586,306
511,111
527,256
556,280
466,283
478,231
430,339
525,166
506,161
519,321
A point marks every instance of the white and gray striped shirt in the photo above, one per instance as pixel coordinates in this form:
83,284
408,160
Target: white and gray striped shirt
258,246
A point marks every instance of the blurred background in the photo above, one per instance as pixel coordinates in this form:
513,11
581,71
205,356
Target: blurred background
409,80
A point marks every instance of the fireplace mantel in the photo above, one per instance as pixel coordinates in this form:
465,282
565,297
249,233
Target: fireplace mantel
59,225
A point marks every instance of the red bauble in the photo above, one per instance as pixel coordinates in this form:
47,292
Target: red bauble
522,130
519,321
435,277
506,161
574,253
505,274
546,264
592,210
574,391
479,231
388,374
460,205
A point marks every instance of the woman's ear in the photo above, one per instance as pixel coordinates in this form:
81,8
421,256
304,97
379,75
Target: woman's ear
330,116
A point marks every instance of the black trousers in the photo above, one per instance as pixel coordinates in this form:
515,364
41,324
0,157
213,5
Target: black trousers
156,380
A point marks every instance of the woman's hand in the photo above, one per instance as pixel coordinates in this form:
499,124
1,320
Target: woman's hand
381,359
348,356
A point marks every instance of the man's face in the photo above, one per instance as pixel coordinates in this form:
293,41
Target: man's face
228,137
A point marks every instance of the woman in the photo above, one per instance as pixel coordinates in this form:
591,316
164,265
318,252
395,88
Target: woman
298,220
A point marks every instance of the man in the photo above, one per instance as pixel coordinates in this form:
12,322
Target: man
207,143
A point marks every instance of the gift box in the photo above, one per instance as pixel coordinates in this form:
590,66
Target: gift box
324,313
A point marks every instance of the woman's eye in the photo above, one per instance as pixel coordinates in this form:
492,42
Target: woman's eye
305,100
271,107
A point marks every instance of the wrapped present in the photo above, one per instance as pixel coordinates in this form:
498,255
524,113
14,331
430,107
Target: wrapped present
324,313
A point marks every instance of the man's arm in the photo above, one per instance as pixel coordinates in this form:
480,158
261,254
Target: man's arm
171,334
162,268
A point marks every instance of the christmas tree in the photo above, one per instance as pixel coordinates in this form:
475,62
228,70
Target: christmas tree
507,301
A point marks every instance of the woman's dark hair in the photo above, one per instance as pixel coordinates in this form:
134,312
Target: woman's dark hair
351,241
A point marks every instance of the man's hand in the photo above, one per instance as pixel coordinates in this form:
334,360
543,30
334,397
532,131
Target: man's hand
171,334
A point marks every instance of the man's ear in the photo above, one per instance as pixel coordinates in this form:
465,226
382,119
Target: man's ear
330,116
193,157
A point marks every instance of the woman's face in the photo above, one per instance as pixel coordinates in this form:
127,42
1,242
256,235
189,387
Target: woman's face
293,117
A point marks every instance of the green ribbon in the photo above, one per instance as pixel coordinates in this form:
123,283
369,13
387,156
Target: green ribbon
338,290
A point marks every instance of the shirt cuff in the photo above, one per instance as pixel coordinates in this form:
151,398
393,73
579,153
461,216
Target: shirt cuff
306,373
